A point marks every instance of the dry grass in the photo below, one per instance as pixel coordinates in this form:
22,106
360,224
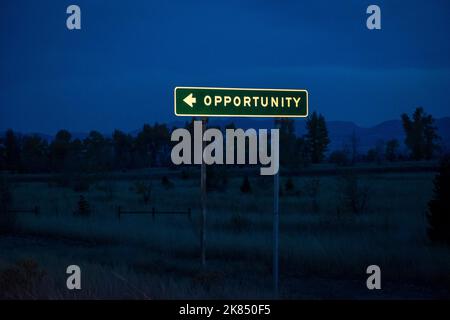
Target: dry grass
159,258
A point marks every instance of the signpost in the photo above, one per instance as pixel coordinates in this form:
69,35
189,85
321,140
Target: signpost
238,102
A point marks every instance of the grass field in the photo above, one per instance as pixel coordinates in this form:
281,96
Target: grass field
325,247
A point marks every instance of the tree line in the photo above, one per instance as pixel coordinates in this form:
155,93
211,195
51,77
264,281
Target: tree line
151,147
95,153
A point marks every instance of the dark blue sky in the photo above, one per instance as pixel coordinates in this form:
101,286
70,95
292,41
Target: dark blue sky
119,71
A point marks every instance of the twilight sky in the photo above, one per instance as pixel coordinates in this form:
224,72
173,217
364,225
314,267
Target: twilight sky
119,71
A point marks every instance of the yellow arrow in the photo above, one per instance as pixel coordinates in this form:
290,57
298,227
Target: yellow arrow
190,100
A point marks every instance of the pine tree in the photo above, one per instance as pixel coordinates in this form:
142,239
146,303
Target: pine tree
12,151
439,206
421,136
317,137
287,142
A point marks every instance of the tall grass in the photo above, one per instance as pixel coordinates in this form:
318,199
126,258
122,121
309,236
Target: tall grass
161,255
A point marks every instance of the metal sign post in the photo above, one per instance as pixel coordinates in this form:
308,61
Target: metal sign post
276,221
203,200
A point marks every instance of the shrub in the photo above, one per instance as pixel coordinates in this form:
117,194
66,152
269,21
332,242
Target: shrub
166,183
245,186
372,155
439,206
83,207
289,185
20,280
354,196
7,219
339,157
143,189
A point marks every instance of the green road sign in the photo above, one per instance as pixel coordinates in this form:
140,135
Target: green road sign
235,102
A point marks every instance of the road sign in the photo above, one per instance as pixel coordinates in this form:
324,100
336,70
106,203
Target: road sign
239,102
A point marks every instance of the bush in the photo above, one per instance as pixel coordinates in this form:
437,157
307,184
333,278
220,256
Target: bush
166,183
20,280
372,155
143,189
83,207
354,196
339,157
7,220
289,185
245,186
439,206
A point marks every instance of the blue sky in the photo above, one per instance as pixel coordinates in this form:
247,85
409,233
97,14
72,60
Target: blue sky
119,71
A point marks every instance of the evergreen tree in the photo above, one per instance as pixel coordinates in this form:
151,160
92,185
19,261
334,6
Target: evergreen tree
439,206
98,152
317,137
288,141
123,144
12,151
151,143
421,137
34,154
2,155
60,150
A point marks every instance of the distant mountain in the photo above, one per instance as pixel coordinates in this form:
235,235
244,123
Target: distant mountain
339,131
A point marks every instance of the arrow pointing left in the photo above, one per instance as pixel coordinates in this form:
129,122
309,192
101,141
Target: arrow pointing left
190,100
